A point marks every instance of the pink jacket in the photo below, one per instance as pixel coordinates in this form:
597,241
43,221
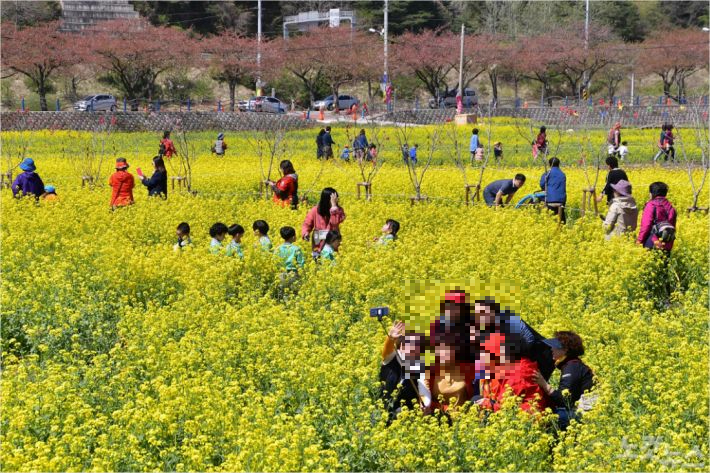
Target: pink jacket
315,221
663,211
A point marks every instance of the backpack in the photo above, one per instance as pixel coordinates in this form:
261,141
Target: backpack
663,230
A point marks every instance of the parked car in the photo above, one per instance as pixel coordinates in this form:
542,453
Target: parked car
96,103
269,105
246,105
448,99
344,102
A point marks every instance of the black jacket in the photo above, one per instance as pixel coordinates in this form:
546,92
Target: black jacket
391,377
614,176
328,140
574,376
157,184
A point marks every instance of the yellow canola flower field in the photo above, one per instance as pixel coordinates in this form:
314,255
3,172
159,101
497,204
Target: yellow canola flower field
120,354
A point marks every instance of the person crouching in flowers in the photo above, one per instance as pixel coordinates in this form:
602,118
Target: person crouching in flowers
332,244
50,193
218,232
183,236
286,189
28,182
389,232
575,376
122,184
234,248
326,216
290,254
507,370
402,373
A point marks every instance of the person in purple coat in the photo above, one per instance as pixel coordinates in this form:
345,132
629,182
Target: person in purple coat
29,181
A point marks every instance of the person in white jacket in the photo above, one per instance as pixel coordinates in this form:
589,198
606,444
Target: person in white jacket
623,214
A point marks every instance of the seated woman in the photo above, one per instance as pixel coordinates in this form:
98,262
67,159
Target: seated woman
575,376
451,379
508,369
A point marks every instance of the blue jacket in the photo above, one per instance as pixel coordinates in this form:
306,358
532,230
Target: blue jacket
475,144
554,183
360,142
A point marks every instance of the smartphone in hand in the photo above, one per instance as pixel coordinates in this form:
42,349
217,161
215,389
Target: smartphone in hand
139,171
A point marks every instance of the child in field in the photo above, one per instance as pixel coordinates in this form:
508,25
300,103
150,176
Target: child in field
332,244
413,154
218,232
50,193
234,248
183,236
405,153
261,231
372,153
389,232
624,150
345,155
498,151
290,254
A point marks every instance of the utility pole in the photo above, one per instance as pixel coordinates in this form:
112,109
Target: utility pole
460,91
586,40
386,12
258,48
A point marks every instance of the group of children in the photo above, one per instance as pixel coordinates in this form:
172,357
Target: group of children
291,255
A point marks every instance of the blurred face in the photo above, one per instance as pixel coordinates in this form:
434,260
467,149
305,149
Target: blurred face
238,237
336,244
452,311
220,236
410,347
558,353
180,234
386,228
484,316
445,354
517,183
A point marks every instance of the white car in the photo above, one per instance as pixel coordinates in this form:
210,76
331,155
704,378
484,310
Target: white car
269,105
96,103
344,102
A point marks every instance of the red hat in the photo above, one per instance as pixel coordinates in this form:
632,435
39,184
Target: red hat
121,163
457,297
494,343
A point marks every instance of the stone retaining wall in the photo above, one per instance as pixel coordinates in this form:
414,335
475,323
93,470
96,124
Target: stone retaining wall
136,121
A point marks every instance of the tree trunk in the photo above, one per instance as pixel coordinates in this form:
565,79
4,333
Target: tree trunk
493,76
369,90
336,105
42,92
232,90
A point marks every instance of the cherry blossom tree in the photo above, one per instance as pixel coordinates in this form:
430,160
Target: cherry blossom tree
231,59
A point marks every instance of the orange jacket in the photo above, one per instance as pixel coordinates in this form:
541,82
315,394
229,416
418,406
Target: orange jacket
286,187
121,183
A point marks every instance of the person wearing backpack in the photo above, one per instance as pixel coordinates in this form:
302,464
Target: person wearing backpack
658,222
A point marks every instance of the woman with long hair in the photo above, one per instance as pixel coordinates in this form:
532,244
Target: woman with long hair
157,184
327,215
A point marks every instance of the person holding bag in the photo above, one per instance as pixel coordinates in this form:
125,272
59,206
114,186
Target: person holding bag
327,215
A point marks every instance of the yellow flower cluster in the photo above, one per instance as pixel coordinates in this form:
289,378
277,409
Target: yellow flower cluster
121,354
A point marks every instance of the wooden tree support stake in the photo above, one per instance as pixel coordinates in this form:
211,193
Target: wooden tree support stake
698,209
181,181
368,190
87,181
6,180
418,198
589,198
264,190
558,209
476,193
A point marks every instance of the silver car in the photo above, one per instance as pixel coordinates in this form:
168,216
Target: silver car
344,102
268,104
96,103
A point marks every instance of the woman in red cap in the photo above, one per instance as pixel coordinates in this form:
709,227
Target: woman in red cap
122,184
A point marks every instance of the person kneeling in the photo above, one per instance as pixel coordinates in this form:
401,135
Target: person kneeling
575,376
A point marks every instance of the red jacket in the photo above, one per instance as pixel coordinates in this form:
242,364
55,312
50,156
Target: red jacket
287,186
121,183
519,377
663,211
315,221
169,147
